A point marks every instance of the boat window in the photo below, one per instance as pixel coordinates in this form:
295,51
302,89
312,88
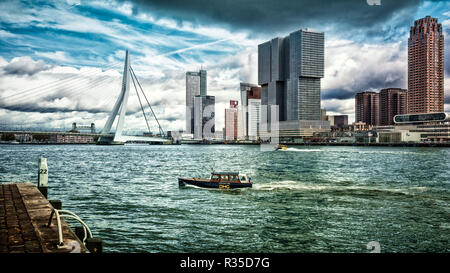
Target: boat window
214,177
234,178
224,177
243,178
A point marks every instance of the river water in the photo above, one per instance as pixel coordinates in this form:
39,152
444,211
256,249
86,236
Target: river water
304,199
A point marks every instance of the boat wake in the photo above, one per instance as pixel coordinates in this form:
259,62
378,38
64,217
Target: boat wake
289,185
301,150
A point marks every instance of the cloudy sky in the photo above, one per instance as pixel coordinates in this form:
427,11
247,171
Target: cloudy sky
61,61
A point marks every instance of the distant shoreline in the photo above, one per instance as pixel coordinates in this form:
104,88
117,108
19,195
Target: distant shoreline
445,145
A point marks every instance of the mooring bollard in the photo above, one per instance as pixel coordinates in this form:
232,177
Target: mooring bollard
94,245
43,176
57,204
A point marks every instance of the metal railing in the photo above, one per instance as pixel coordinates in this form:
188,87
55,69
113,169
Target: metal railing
67,214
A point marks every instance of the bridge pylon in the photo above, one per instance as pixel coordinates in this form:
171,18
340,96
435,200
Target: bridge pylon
120,108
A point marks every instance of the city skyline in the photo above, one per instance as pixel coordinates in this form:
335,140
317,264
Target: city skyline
164,45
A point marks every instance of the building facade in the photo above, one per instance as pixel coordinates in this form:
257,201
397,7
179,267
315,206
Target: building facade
204,117
195,86
367,108
248,92
430,127
338,120
393,101
231,121
253,118
426,66
289,72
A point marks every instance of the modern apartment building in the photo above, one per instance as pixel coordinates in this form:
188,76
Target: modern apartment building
367,108
426,66
393,101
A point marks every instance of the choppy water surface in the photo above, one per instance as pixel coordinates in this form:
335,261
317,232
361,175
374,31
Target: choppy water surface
304,199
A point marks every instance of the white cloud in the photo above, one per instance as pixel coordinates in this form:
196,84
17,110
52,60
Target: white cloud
23,66
357,67
340,107
59,56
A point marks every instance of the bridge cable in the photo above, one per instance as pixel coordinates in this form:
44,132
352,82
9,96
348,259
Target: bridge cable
139,98
160,128
71,91
59,81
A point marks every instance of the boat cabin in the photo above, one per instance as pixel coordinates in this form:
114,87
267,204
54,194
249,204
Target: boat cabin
224,177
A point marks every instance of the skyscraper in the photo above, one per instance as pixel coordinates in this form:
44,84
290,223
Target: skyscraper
249,118
204,117
393,101
253,118
289,72
367,108
231,121
195,86
426,67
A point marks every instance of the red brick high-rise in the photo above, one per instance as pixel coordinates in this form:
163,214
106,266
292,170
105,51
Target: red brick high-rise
393,101
231,122
426,67
367,108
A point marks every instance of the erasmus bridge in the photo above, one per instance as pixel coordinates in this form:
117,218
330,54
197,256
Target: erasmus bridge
118,112
120,108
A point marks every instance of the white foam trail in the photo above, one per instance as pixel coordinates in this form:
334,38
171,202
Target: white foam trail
301,150
301,186
287,185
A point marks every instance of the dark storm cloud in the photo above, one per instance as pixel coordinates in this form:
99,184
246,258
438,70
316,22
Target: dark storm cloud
338,94
34,108
366,84
270,16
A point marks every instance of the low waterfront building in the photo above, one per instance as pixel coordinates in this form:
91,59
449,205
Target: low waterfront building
398,136
72,138
296,130
432,127
361,126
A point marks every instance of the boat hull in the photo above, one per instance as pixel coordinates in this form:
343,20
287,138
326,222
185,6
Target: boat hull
203,183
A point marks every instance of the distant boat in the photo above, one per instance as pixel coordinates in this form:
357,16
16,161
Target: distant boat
219,180
281,147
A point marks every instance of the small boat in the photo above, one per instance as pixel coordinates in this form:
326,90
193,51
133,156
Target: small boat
281,147
219,180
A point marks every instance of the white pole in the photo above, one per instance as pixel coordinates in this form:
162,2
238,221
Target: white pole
43,176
